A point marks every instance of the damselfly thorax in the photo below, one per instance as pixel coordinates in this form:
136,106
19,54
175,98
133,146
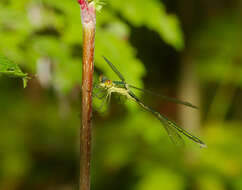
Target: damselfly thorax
114,87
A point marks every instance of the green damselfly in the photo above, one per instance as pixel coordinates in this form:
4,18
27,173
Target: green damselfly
123,88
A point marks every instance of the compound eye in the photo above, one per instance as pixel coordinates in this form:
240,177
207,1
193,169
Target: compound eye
102,79
108,82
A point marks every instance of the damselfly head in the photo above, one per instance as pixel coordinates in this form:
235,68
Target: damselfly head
108,82
102,79
104,82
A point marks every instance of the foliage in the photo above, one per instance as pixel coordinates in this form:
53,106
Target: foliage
217,48
49,29
11,69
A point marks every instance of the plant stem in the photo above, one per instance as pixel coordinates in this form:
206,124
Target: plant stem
88,23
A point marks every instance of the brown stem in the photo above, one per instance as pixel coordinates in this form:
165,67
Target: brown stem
88,21
86,128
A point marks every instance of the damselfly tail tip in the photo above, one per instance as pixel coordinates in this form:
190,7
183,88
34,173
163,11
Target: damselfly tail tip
195,107
203,145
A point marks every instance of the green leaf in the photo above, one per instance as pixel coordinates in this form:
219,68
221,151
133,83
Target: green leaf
152,14
8,68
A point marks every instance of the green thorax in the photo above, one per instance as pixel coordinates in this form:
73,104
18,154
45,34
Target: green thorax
119,84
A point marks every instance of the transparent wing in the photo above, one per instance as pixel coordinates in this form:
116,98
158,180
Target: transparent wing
173,134
171,127
114,69
170,124
165,97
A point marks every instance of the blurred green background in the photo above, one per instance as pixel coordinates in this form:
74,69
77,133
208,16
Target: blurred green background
189,49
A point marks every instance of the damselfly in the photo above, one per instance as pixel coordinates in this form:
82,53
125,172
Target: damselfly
122,88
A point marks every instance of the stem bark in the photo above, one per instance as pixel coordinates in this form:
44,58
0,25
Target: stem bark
88,22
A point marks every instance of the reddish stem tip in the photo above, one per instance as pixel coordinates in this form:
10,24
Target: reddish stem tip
87,11
83,3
